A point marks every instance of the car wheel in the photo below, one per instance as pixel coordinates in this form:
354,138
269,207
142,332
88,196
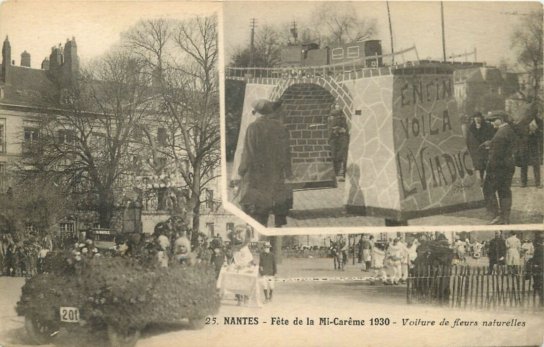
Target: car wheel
40,331
123,339
197,323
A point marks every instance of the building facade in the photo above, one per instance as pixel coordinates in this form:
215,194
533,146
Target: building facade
24,95
483,89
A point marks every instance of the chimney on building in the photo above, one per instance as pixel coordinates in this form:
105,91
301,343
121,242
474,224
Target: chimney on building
45,64
25,59
63,63
55,59
71,60
6,59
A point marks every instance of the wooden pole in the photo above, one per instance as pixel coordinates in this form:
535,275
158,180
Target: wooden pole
443,34
252,44
391,34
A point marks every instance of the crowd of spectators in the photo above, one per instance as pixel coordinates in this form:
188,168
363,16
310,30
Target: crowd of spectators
392,260
171,241
23,256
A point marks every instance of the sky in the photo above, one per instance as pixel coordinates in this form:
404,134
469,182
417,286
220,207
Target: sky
486,26
36,26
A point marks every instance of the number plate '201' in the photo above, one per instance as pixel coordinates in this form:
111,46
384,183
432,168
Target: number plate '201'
69,314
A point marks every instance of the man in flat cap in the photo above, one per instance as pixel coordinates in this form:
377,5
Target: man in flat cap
265,165
500,169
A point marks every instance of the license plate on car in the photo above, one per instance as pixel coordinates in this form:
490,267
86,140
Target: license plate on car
69,314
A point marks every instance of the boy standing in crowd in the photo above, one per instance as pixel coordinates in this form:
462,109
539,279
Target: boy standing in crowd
267,271
497,251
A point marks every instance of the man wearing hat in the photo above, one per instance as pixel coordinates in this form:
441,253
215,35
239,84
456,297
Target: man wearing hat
265,165
267,271
479,132
500,169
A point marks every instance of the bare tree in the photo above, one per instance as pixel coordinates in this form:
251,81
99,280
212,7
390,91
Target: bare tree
527,41
182,58
330,24
86,143
338,23
268,43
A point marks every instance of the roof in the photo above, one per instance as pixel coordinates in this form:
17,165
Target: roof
27,87
468,75
492,75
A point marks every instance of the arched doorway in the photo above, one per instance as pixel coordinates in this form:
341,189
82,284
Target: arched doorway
306,108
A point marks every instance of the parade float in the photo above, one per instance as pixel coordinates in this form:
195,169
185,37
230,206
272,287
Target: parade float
407,154
114,296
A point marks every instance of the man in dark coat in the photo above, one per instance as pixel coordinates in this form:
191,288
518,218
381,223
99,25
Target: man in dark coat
528,128
530,151
500,170
497,251
434,258
265,165
479,132
441,258
338,141
537,268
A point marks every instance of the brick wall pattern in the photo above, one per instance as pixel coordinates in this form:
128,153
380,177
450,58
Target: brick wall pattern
306,108
339,91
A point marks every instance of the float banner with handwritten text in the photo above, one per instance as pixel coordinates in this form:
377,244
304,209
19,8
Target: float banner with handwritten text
434,168
407,154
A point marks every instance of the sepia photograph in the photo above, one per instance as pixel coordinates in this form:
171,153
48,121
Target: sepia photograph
228,173
487,280
109,170
384,114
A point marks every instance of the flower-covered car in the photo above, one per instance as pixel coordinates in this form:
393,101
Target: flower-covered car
114,294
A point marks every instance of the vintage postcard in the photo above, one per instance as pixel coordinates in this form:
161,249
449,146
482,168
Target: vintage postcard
388,111
235,173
